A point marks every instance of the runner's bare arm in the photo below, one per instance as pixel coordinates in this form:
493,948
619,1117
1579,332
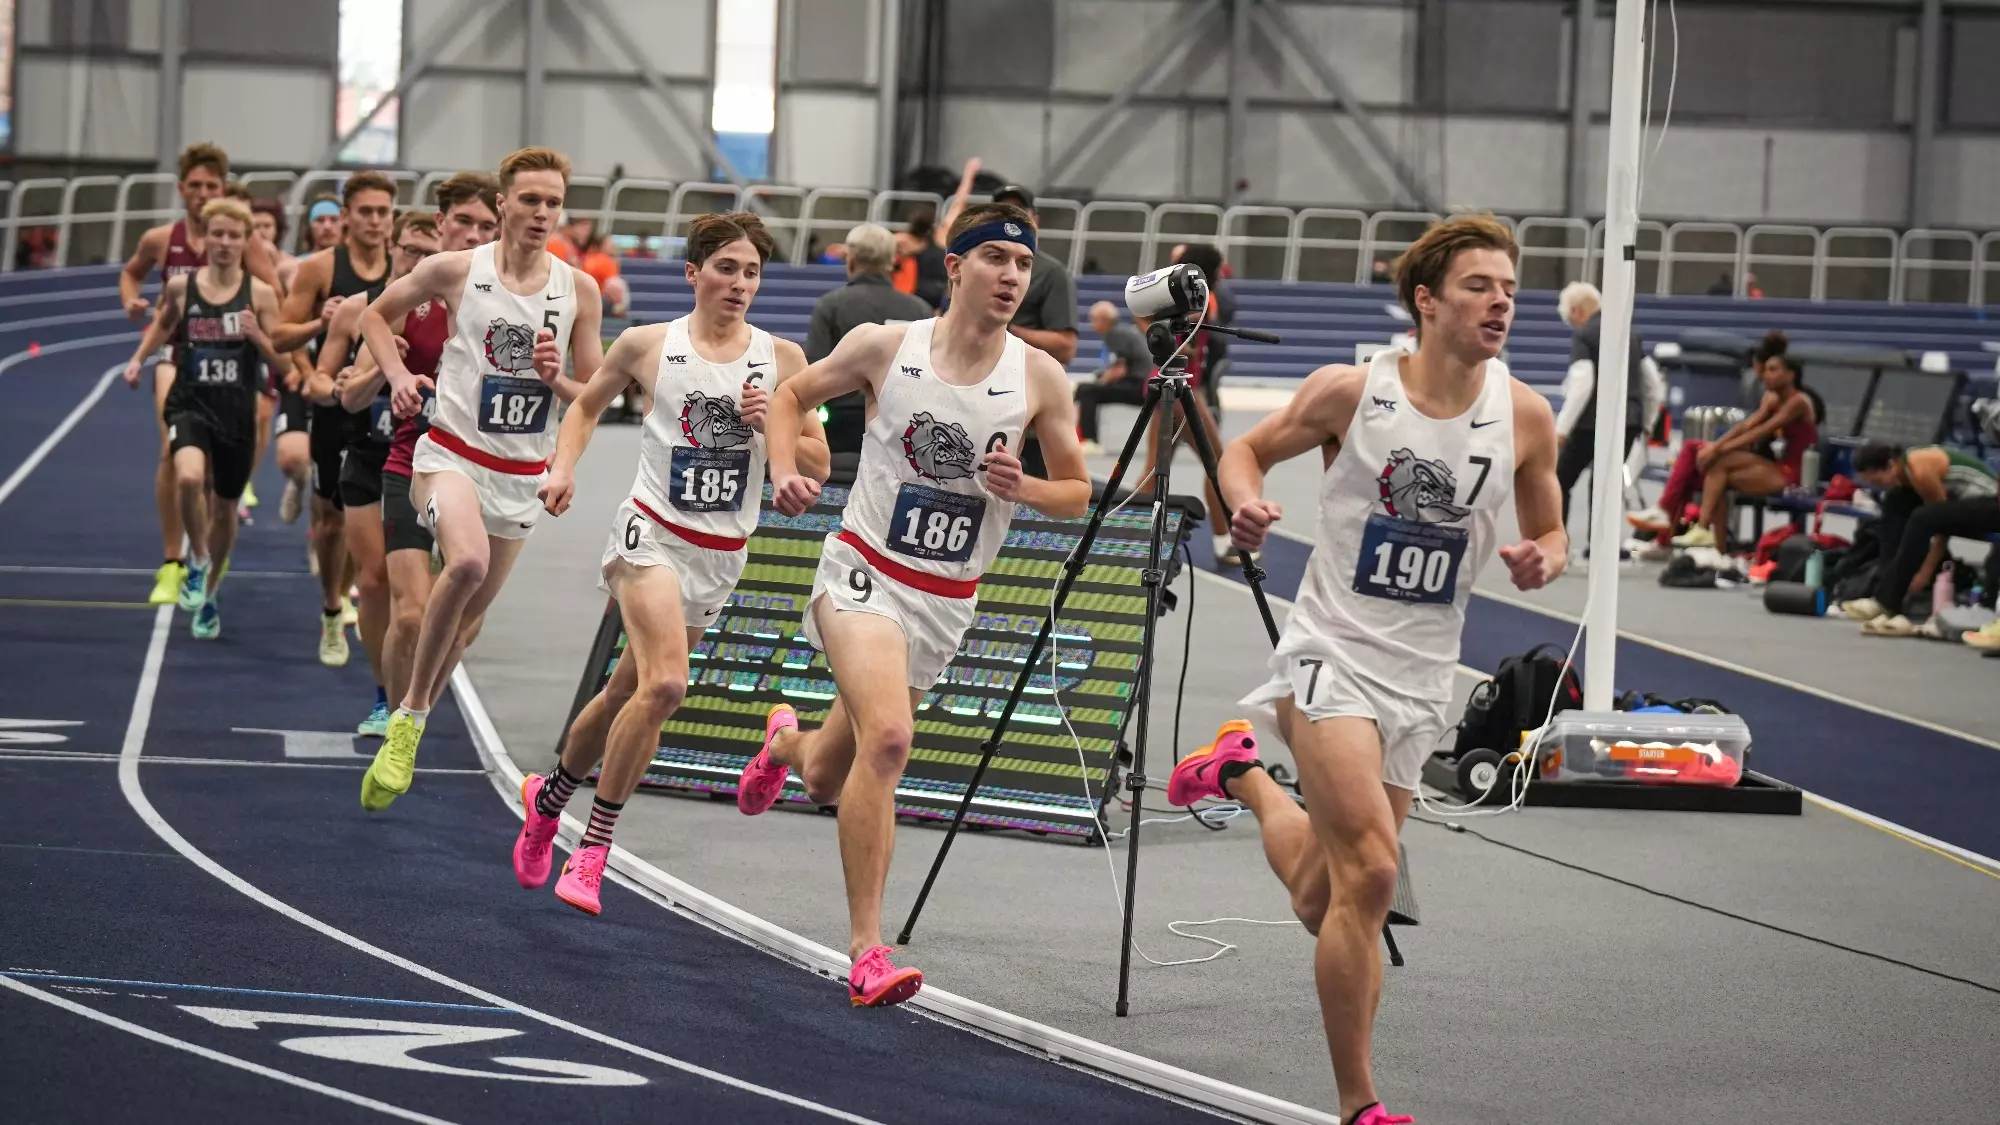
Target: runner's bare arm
321,388
1317,414
304,319
1066,492
165,319
440,277
586,342
257,261
857,363
152,247
811,453
264,318
634,358
1544,548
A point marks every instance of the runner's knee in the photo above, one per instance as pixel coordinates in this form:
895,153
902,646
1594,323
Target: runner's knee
1365,873
662,694
466,570
884,748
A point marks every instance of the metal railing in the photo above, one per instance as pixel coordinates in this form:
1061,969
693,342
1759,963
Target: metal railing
100,219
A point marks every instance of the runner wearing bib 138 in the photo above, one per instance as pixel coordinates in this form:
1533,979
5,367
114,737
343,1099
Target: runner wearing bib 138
679,543
897,587
516,313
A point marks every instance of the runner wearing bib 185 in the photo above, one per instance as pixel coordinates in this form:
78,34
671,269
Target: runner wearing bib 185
678,544
516,311
897,587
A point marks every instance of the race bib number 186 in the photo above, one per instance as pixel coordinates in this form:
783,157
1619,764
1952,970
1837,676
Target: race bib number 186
930,523
1407,561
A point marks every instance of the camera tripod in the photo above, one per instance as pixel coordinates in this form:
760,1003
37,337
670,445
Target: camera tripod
1170,389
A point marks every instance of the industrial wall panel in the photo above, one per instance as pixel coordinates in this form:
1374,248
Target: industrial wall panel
92,109
999,44
264,116
1964,192
825,140
305,31
451,123
829,40
674,35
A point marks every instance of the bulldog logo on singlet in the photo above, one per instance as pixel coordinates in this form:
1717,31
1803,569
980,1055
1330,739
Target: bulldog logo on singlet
1418,490
712,422
510,347
938,451
423,310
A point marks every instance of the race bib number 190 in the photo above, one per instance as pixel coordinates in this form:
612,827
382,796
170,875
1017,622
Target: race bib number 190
709,480
933,524
513,406
1407,561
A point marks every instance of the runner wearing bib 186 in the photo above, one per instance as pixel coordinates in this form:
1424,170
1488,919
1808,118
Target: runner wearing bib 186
897,587
372,426
1423,452
468,216
516,311
678,544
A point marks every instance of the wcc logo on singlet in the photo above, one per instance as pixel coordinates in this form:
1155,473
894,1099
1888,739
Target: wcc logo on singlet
712,422
937,450
510,347
1418,490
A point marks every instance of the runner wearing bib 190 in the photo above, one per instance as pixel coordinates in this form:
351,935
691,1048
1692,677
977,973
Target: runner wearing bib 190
1423,452
468,216
678,544
516,311
371,427
950,400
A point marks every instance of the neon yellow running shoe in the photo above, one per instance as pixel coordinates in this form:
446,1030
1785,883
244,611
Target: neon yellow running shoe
167,584
249,498
395,765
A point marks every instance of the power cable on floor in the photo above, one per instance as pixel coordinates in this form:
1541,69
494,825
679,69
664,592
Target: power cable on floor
1730,914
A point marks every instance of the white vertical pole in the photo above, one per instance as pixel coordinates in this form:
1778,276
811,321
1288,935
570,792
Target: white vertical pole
888,91
1621,210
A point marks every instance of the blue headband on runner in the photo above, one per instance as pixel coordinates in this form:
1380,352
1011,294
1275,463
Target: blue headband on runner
999,230
322,209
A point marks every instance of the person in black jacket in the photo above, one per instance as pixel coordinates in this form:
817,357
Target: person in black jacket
867,298
1579,305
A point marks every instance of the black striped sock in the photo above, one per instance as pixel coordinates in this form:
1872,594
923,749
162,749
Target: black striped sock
556,790
603,822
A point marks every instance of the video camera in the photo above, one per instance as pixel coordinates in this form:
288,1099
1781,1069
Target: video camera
1179,290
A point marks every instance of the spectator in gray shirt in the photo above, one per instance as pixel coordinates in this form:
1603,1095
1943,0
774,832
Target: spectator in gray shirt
867,298
1123,368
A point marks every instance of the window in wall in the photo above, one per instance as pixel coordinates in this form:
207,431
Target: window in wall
371,63
746,63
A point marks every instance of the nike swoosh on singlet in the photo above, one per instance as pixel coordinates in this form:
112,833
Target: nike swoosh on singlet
766,363
990,391
1488,422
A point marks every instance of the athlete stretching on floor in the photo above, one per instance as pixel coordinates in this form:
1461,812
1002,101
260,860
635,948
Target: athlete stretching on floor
1422,452
516,311
949,401
219,318
468,217
177,248
679,543
414,238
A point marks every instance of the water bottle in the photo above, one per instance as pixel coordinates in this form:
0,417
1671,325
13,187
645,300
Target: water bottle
1815,568
1809,470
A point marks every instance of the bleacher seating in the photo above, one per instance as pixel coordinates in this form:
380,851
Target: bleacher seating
1322,322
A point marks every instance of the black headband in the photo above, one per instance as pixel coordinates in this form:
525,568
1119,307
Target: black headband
997,230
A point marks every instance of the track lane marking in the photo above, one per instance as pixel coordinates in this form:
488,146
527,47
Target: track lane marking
135,795
255,991
62,429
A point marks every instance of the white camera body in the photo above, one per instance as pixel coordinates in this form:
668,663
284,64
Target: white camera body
1178,290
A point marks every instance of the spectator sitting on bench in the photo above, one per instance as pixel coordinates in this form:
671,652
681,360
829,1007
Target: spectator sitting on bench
1931,494
1743,460
1124,366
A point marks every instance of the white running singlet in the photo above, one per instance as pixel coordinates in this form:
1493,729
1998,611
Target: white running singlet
700,465
919,498
488,395
1406,522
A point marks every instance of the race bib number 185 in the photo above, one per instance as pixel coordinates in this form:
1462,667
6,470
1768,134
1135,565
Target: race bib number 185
933,524
709,480
1407,561
513,406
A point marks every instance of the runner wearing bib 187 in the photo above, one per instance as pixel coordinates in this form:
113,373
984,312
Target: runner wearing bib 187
678,544
950,401
1423,452
516,311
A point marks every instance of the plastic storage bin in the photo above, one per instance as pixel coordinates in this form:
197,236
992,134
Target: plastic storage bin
1642,748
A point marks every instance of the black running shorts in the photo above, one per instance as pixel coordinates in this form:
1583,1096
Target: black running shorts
229,463
294,412
329,444
361,474
400,529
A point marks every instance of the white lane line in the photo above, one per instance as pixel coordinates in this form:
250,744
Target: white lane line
1150,1076
68,1005
56,435
122,571
24,754
135,795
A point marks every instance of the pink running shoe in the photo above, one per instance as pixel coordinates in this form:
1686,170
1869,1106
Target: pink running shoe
1376,1115
582,876
763,780
538,832
1198,775
875,983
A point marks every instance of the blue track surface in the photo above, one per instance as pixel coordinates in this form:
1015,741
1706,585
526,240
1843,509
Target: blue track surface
1931,782
213,891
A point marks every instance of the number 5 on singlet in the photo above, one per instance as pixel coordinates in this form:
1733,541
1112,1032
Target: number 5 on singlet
513,406
1407,561
930,523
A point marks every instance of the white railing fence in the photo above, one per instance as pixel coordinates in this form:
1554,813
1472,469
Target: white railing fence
100,218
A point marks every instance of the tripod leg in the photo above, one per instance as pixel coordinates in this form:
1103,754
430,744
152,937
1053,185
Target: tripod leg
992,744
1395,954
1155,580
1252,573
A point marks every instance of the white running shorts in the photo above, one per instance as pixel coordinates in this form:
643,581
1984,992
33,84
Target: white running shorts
507,501
1322,685
933,625
707,576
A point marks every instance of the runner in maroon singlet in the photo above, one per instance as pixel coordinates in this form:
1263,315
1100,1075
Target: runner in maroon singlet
468,216
177,249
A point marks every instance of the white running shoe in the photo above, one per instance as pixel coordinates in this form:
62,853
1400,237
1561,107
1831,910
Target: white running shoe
1696,536
332,641
1887,626
293,502
350,615
1860,609
1652,519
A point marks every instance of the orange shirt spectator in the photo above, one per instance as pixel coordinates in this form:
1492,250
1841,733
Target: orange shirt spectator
599,262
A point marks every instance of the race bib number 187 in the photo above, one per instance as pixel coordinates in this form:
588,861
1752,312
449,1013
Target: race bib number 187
513,406
933,524
1407,561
